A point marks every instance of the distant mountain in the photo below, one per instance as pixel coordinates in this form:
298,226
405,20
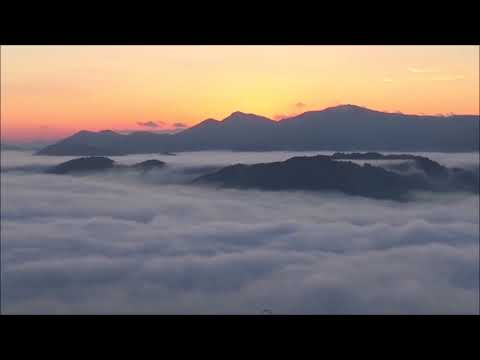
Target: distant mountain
100,163
350,127
326,173
10,147
148,165
340,128
87,143
24,146
85,164
238,131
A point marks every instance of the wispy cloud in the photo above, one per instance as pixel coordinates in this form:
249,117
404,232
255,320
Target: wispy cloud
300,106
421,70
179,125
279,116
284,116
449,78
153,131
151,124
438,77
387,79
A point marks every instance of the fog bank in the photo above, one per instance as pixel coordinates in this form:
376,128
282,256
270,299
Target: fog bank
97,244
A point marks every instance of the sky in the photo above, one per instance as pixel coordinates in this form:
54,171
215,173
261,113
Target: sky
49,92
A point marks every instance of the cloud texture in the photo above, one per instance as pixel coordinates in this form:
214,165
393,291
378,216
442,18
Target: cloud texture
99,244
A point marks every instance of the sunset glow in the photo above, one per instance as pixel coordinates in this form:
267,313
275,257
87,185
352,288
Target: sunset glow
49,92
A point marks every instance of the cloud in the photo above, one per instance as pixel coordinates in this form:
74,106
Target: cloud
421,70
284,116
180,125
440,77
155,131
449,78
150,124
146,244
387,79
280,116
299,105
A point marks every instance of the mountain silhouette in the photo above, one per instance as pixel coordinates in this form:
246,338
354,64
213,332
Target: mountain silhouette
340,128
430,167
313,173
86,164
329,173
100,163
10,147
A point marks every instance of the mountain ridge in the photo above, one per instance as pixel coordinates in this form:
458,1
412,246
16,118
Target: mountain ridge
341,128
330,173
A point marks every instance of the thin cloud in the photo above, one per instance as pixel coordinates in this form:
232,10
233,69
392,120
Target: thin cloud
387,79
421,70
439,77
280,116
152,130
284,116
449,78
179,125
300,105
150,124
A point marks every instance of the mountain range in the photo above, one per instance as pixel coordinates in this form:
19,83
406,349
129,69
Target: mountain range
394,179
340,128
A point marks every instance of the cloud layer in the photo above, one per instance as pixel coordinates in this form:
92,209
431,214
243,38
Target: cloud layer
99,244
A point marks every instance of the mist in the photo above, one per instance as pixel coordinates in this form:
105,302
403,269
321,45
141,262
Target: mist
131,243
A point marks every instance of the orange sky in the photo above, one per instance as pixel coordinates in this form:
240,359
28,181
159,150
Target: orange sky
53,91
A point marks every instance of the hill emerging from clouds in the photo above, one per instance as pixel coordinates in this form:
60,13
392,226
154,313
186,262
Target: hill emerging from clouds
341,128
399,174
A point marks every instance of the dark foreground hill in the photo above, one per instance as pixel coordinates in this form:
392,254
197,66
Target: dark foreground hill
341,128
394,179
328,173
98,163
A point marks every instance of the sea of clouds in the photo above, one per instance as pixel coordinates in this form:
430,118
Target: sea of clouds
153,244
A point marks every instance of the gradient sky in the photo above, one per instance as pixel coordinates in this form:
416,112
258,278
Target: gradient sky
52,91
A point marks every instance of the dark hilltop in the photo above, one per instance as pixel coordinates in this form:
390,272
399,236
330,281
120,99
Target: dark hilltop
100,163
335,173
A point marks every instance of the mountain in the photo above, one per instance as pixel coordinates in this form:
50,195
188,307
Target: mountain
340,128
325,173
315,173
87,143
238,131
100,163
85,164
108,143
429,167
148,165
9,147
350,127
25,146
